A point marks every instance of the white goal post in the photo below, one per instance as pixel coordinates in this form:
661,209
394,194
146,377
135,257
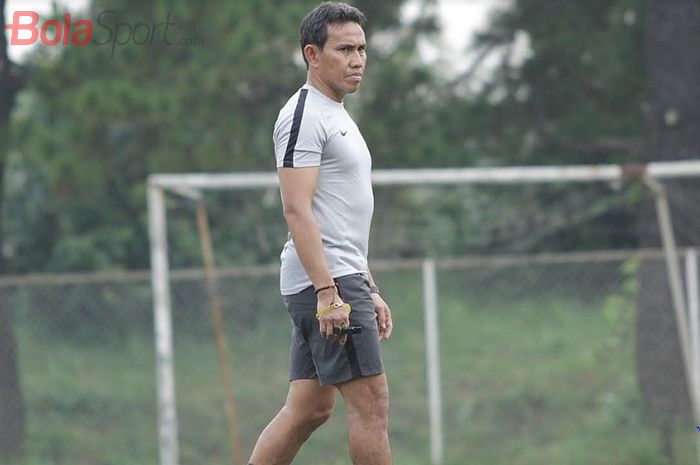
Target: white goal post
190,185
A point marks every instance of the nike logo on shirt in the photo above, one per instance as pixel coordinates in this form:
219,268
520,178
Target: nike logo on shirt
342,133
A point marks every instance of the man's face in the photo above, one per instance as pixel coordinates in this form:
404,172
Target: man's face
342,61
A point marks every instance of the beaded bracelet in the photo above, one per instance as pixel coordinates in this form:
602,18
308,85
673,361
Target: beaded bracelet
323,310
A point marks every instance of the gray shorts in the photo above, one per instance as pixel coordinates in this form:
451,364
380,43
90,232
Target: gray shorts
314,356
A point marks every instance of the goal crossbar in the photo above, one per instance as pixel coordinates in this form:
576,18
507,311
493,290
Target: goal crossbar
504,175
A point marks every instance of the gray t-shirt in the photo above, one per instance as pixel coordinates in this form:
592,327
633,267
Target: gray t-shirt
314,130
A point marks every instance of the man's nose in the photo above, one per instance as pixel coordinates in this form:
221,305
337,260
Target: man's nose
356,60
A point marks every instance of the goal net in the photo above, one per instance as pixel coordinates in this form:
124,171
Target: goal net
542,314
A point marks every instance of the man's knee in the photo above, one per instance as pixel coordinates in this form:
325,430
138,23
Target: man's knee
319,415
313,416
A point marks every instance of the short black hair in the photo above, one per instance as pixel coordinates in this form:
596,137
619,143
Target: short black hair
314,26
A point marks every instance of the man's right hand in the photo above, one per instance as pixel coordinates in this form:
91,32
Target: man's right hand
335,318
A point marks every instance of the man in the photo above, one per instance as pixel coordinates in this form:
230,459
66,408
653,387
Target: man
324,171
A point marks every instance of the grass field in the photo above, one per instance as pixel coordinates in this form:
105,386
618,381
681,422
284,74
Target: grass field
526,381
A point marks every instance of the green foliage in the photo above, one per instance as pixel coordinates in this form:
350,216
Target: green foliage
95,122
568,87
575,93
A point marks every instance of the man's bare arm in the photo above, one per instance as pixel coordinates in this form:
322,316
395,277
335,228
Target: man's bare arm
298,186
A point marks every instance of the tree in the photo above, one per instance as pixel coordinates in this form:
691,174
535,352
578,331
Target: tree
567,87
673,122
11,403
160,108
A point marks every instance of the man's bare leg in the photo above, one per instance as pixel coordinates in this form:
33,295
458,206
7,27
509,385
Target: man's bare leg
308,406
367,402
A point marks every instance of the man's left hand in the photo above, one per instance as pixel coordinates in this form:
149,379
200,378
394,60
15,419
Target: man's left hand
384,320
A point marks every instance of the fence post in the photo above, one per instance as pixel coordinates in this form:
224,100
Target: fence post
432,343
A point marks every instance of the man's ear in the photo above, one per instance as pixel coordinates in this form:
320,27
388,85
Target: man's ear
312,52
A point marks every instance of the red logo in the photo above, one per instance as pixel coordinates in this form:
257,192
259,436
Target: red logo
64,32
111,32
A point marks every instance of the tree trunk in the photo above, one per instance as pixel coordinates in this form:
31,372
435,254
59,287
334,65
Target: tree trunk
673,122
11,402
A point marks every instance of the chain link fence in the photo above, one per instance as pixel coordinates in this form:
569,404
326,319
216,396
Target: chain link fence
544,359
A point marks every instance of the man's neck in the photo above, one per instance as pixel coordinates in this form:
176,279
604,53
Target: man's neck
314,81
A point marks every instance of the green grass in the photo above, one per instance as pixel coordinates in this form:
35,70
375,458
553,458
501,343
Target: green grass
525,381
